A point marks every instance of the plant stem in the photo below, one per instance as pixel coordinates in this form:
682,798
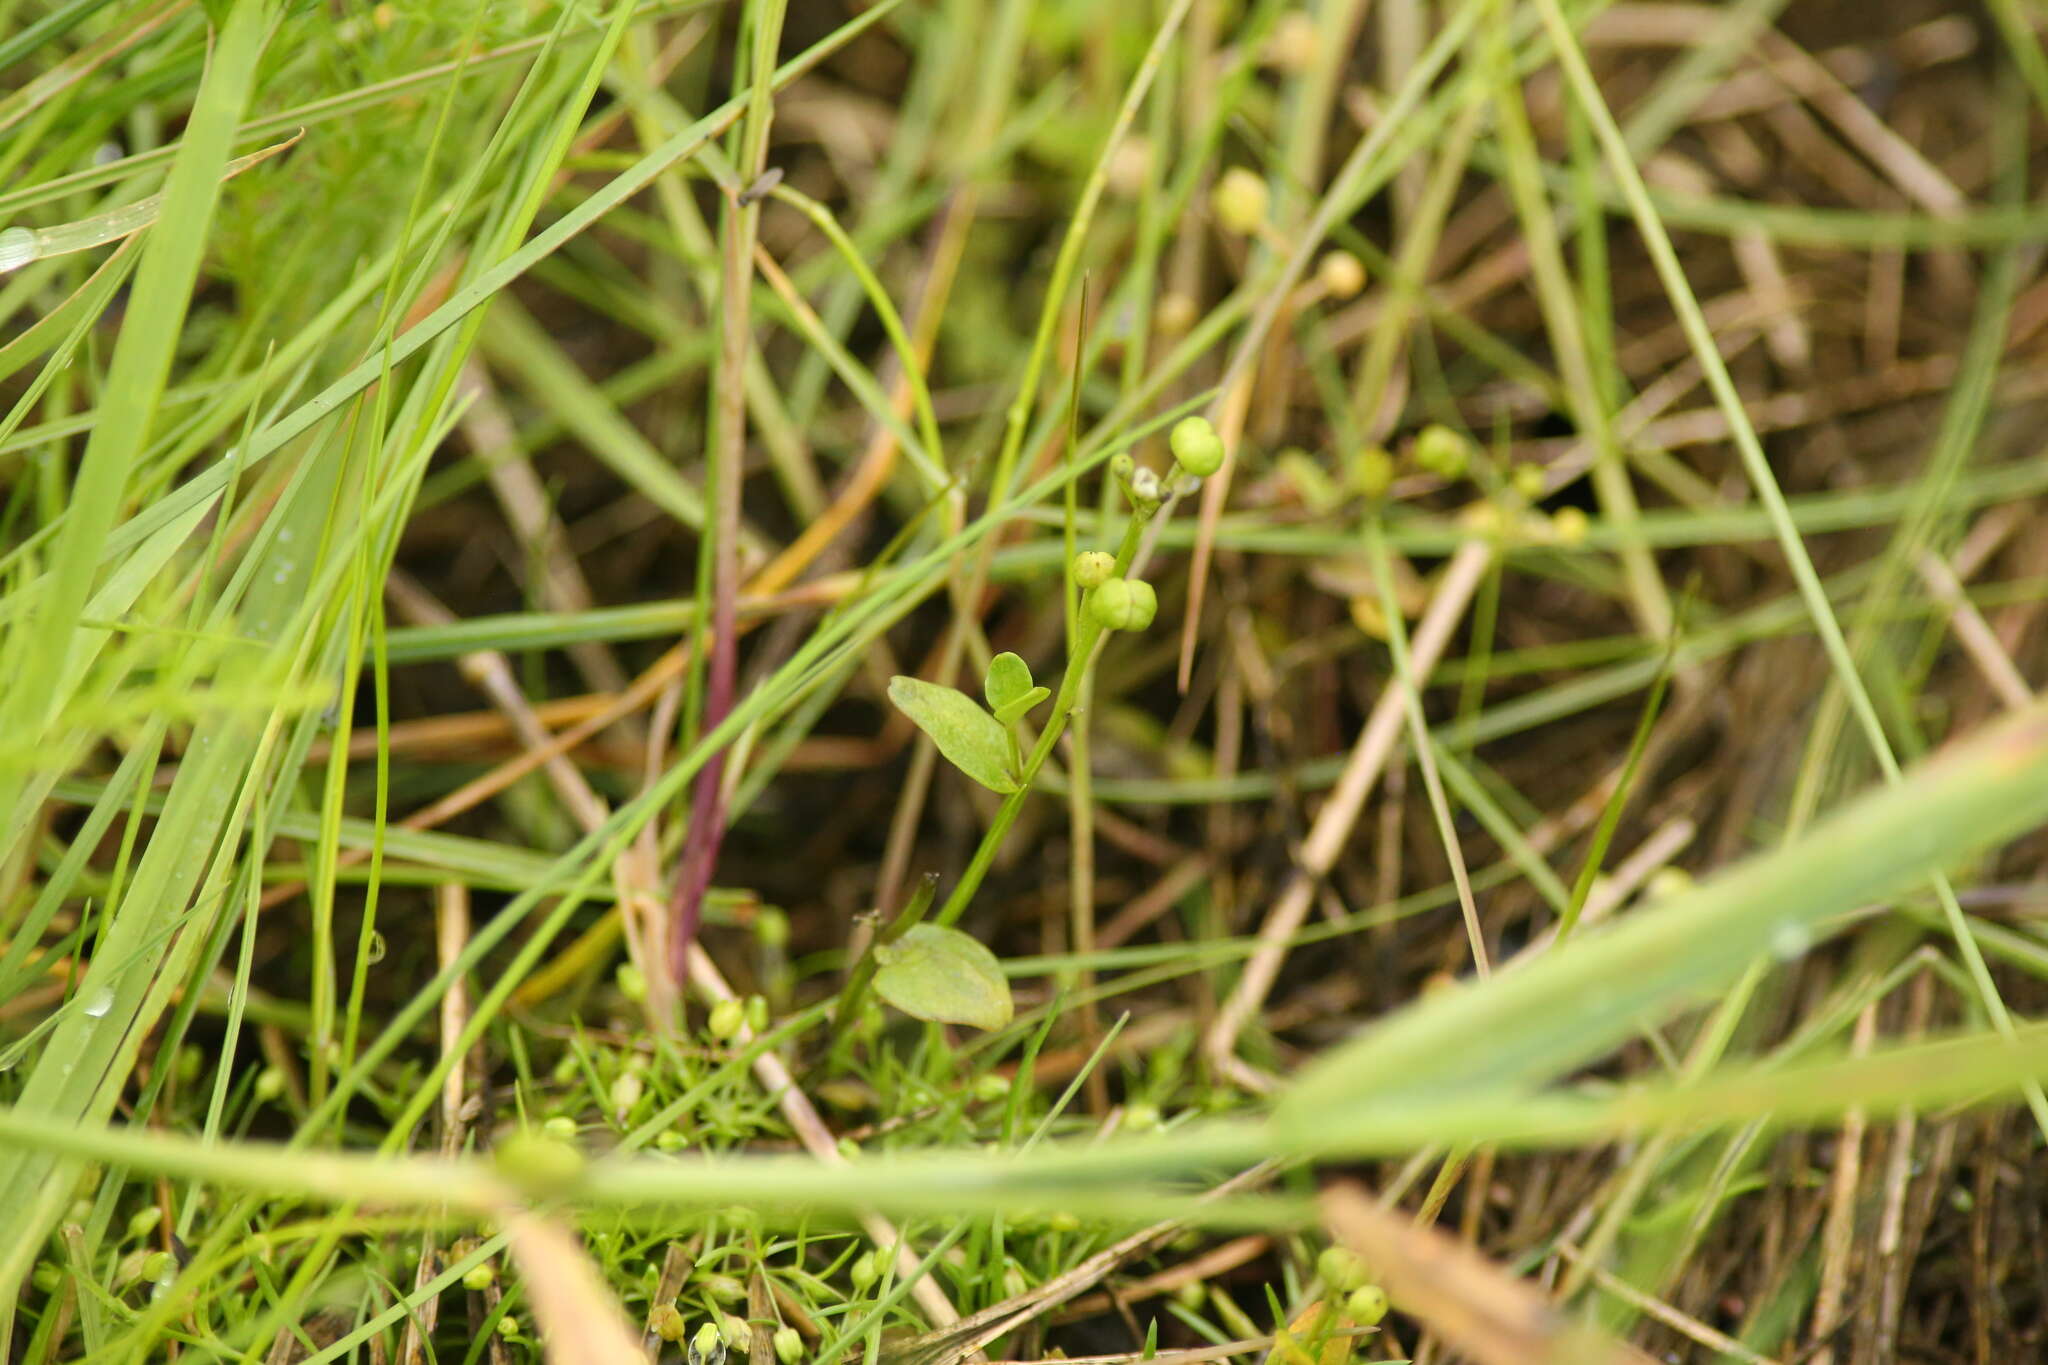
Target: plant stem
1086,638
863,972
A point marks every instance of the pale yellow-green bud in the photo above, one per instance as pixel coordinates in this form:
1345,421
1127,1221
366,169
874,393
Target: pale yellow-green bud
1240,201
1341,274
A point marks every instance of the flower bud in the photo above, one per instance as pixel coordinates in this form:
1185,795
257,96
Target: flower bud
789,1345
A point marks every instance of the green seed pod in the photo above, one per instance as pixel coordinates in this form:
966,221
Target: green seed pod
1341,274
627,1088
864,1271
757,1013
1121,467
1093,568
560,1127
707,1347
479,1278
1366,1306
724,1288
1114,605
771,927
269,1084
669,1140
1570,526
1240,201
989,1087
1442,451
1141,1118
508,1327
144,1222
159,1266
789,1345
665,1320
632,982
1528,481
1371,471
726,1018
1341,1269
1144,602
1196,446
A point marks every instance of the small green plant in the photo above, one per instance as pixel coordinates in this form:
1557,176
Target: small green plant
937,973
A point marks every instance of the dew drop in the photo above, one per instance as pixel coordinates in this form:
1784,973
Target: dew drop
17,248
101,1001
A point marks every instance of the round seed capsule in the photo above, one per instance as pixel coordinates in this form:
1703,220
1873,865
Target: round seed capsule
1123,604
1196,446
1441,451
789,1345
726,1018
1366,1306
1093,568
1341,1269
1240,201
1569,525
1372,471
1341,274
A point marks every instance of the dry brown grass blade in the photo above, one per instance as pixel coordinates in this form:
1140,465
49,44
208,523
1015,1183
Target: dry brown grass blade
1468,1300
1334,823
581,1322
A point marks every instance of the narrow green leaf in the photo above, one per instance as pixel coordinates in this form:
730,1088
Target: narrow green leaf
968,736
943,976
1009,678
1009,713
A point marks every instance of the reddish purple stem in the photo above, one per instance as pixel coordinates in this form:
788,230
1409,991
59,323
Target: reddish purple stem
707,813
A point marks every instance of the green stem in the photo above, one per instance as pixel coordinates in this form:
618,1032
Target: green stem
1086,637
863,972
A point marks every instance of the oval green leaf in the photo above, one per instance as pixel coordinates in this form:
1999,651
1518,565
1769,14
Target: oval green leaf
1009,678
968,736
1011,711
943,976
